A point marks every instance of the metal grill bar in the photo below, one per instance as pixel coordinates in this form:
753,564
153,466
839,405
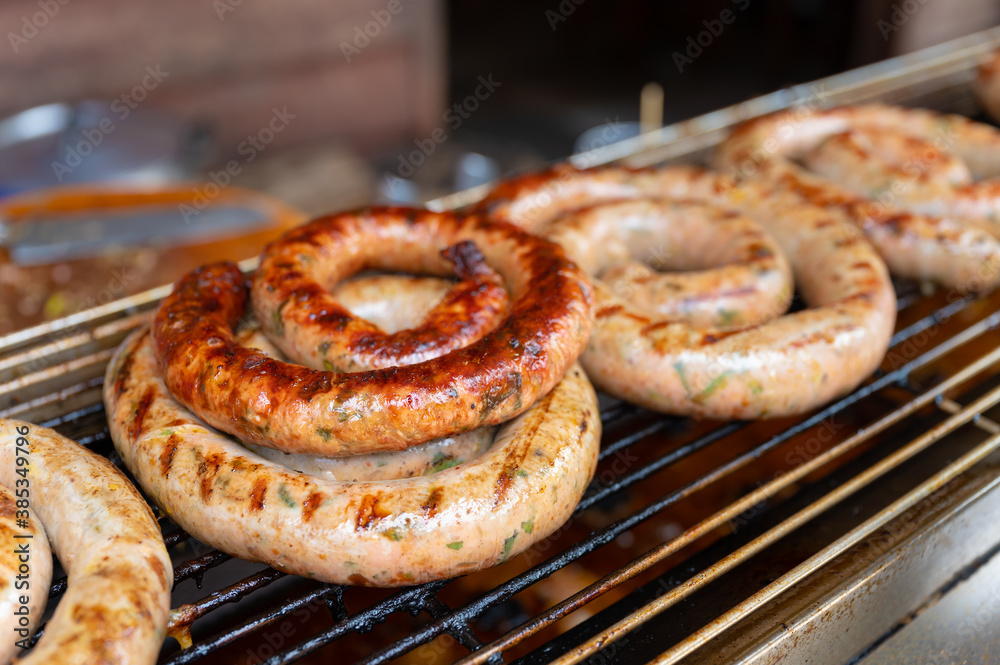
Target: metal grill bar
407,600
182,618
68,327
938,317
465,636
733,510
647,470
454,620
631,439
951,63
255,623
850,539
771,536
980,421
196,568
612,531
58,349
66,332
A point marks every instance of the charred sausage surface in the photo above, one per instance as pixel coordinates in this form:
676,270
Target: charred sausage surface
379,533
392,302
302,410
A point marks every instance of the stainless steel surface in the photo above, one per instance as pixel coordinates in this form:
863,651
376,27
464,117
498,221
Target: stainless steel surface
50,238
54,370
95,140
853,602
962,627
855,536
753,498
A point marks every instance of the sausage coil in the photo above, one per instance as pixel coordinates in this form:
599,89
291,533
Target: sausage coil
927,220
784,366
117,601
379,533
377,296
302,410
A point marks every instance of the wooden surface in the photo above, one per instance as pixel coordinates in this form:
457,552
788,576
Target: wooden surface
230,62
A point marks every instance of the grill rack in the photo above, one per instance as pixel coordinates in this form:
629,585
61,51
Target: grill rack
52,374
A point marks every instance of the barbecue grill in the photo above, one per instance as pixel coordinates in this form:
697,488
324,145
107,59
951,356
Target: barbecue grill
817,538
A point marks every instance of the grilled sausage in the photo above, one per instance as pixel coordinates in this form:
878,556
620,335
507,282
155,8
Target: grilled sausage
397,302
963,254
614,243
388,533
907,172
117,602
783,367
310,326
295,409
422,460
25,569
327,335
873,163
376,296
533,199
727,298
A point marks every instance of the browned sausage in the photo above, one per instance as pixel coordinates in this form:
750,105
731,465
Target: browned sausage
904,171
533,199
390,302
782,367
117,602
327,335
381,533
957,249
302,410
396,302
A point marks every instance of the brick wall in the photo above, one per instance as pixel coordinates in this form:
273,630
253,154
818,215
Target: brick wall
230,62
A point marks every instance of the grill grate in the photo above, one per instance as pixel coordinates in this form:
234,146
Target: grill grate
939,381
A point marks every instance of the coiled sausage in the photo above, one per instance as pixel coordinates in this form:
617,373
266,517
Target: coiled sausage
957,249
117,601
785,366
301,410
386,533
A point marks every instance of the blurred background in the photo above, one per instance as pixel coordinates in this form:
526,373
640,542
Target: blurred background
322,106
